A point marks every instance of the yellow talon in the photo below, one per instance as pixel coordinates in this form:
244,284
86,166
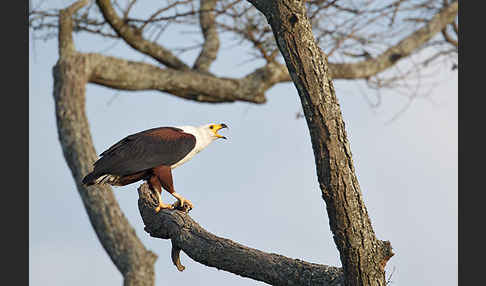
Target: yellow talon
186,202
183,201
163,206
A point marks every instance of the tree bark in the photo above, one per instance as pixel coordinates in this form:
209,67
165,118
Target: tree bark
363,256
71,74
128,75
210,48
224,254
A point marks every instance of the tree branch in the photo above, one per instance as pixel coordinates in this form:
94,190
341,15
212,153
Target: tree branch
65,37
448,38
372,66
363,256
404,48
211,40
114,232
129,75
224,254
134,38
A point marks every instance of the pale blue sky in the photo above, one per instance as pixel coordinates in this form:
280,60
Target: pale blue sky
247,188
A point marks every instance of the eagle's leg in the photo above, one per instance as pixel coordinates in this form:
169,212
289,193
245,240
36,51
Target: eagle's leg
164,174
157,187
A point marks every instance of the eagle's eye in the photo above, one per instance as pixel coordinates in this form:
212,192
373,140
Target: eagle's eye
211,127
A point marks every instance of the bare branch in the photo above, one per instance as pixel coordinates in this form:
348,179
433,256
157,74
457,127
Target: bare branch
437,55
153,18
66,44
129,7
133,37
224,254
129,75
448,37
248,34
404,48
85,28
211,40
455,27
372,66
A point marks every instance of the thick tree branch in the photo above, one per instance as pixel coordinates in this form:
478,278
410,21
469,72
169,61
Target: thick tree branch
117,237
128,75
134,38
363,256
224,254
211,40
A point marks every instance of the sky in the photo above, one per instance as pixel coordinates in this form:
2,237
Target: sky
266,195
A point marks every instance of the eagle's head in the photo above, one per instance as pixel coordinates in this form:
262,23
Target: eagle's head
211,130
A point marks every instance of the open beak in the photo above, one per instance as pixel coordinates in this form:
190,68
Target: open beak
219,127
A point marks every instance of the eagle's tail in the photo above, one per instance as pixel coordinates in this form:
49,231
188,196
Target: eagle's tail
92,179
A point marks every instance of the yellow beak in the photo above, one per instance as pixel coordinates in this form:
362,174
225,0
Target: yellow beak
219,127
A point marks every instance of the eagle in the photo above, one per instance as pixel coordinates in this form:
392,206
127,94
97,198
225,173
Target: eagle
151,155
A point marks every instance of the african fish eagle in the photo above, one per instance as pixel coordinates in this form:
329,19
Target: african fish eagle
151,155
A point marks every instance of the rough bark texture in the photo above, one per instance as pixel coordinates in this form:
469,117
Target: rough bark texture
71,74
363,256
128,75
224,254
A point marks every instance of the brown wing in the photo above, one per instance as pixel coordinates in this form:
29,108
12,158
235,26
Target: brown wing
145,150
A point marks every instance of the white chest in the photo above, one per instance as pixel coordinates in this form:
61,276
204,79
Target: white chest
185,159
202,142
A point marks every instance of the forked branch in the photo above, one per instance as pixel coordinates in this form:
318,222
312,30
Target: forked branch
133,37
